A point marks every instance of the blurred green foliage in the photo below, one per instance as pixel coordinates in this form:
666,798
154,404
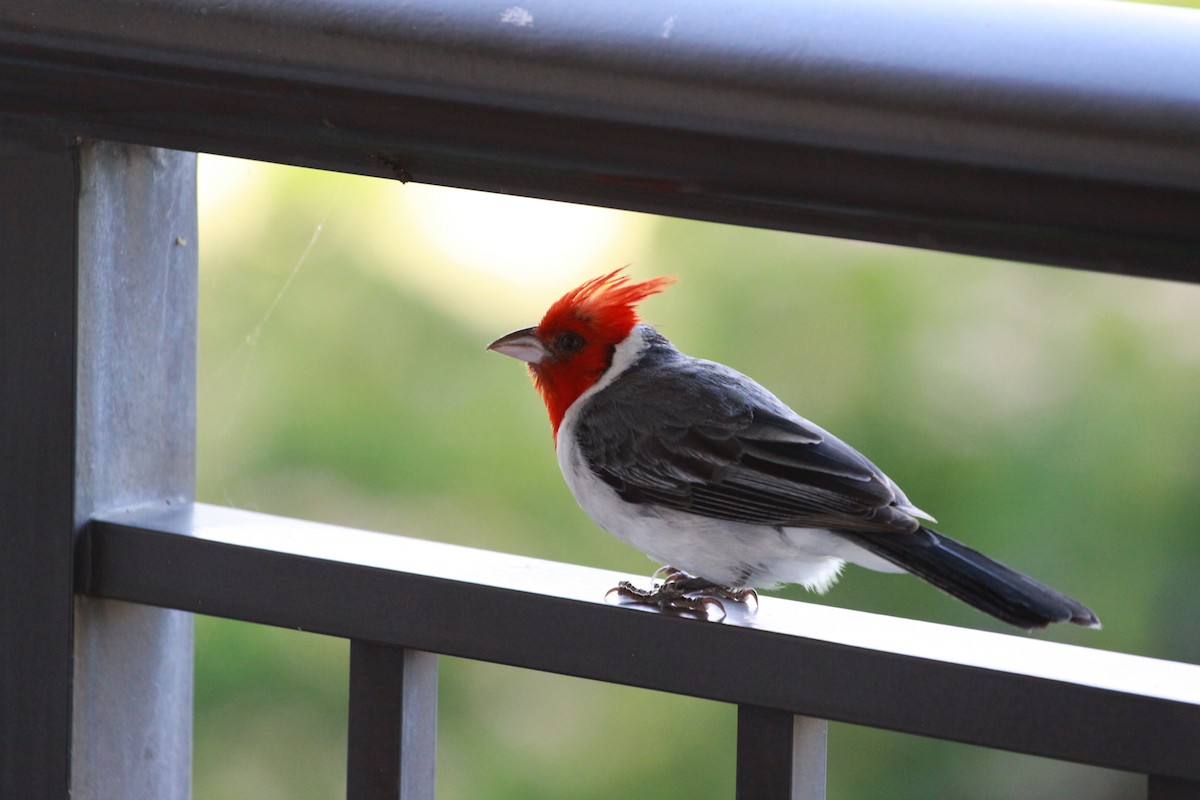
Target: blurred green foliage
1046,416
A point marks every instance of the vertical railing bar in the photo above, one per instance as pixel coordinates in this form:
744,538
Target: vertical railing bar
780,756
97,394
1159,787
392,738
37,445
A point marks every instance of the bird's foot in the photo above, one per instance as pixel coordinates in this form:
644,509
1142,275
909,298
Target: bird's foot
700,586
669,597
683,593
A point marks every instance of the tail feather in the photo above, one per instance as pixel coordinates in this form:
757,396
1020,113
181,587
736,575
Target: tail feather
976,579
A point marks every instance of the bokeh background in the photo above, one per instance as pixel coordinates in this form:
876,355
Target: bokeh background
1048,417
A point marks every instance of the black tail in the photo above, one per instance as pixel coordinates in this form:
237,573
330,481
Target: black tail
976,579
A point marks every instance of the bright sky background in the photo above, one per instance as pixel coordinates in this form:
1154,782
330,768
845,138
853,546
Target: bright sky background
486,257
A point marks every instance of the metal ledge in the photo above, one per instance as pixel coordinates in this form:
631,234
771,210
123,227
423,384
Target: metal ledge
1062,132
1008,692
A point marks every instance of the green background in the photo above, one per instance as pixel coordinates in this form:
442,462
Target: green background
1046,416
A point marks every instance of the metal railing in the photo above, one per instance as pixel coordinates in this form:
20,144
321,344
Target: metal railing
914,124
399,600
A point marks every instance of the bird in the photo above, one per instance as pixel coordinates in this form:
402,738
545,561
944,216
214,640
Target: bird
710,474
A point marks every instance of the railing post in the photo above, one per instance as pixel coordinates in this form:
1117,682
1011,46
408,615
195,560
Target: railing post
780,756
393,723
97,364
135,444
37,413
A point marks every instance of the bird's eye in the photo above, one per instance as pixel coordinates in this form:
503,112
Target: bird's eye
568,342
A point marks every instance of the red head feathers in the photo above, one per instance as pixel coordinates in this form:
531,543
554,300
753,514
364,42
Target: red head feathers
573,345
605,304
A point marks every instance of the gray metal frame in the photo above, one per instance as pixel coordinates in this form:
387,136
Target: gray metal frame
1029,130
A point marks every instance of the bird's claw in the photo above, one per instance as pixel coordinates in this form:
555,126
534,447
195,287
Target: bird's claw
736,595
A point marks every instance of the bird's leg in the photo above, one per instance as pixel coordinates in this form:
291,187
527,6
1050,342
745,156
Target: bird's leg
668,573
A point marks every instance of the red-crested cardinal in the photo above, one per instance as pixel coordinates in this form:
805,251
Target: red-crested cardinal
700,467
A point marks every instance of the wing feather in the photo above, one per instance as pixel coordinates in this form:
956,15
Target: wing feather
699,437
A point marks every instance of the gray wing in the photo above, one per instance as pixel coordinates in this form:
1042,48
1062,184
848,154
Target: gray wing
741,455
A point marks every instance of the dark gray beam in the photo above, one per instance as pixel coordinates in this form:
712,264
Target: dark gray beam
1033,129
1008,692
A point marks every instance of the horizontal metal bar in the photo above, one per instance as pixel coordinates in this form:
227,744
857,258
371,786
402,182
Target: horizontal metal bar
1009,692
1043,130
